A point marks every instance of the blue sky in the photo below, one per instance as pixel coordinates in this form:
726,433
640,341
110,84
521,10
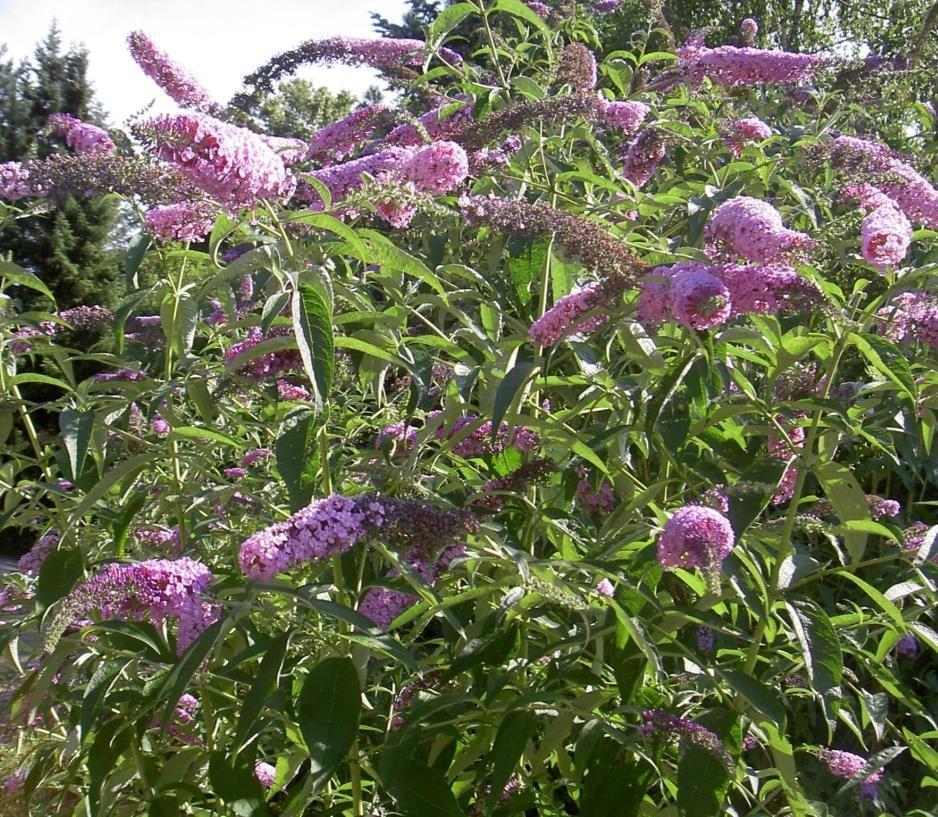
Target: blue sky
219,41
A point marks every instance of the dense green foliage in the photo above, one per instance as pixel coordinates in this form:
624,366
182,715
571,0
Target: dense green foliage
531,673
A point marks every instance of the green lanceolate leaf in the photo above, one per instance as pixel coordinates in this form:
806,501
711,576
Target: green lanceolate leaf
297,456
76,427
510,740
312,322
820,646
265,683
328,710
59,573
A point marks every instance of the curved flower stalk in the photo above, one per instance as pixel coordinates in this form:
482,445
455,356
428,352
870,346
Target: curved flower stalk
480,440
385,54
172,78
31,562
441,122
570,315
266,366
477,135
579,237
912,192
95,174
660,722
532,473
156,589
382,605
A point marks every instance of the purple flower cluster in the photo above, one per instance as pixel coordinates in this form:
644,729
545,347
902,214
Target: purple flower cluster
605,588
595,501
172,78
848,766
31,562
576,67
885,233
339,140
382,605
183,221
255,455
748,31
156,588
704,639
728,65
542,10
435,168
606,6
408,693
642,156
440,123
911,315
267,365
232,164
704,296
781,449
660,722
265,773
157,536
696,536
907,646
399,436
15,181
473,439
739,132
569,315
626,116
326,527
518,481
81,137
291,391
911,192
752,229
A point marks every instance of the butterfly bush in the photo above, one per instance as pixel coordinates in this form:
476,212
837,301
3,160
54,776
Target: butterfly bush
155,588
81,137
730,66
229,163
752,229
579,396
172,78
737,133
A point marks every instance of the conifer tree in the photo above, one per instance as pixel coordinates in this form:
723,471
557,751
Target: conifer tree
66,247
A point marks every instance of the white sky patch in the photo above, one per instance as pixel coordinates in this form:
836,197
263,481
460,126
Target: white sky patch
218,41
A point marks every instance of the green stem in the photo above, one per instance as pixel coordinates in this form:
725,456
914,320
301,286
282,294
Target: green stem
786,547
493,49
